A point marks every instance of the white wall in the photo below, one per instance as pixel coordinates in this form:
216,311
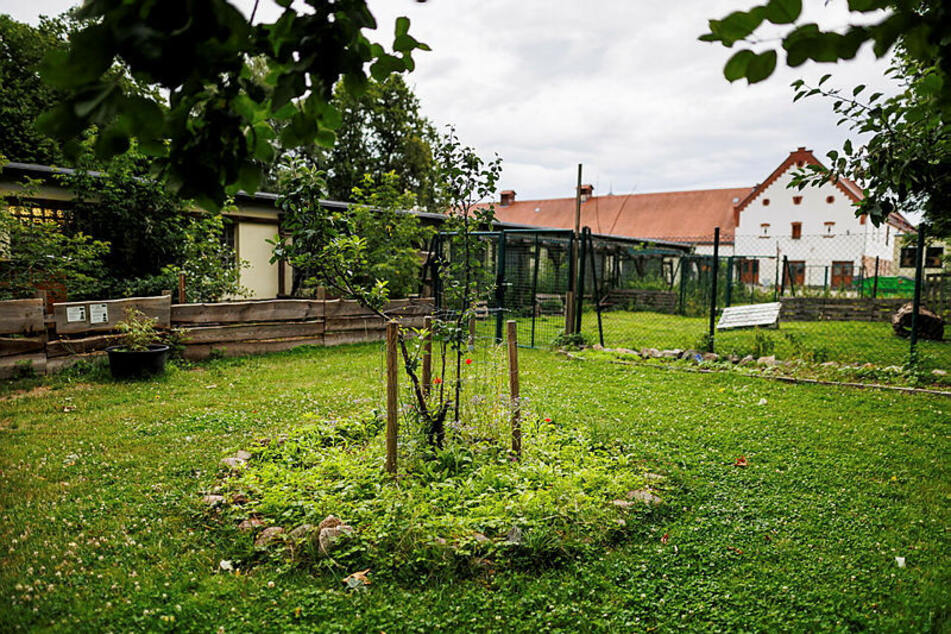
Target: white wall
252,245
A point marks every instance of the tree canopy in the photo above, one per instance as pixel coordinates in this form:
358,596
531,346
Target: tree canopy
905,164
218,133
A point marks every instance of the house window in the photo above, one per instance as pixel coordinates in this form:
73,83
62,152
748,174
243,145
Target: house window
796,230
933,257
830,228
34,212
797,200
841,274
795,272
749,270
764,230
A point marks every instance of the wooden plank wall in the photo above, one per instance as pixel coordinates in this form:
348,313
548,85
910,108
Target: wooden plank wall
23,340
226,328
839,308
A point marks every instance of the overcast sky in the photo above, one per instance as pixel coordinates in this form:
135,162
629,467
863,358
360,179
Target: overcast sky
622,86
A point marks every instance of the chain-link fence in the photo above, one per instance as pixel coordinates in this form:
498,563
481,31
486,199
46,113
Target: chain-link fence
838,295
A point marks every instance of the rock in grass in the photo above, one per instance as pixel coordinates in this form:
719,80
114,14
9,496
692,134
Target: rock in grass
671,354
243,455
268,535
747,360
250,524
767,361
213,500
328,537
329,522
645,496
938,372
689,355
479,537
710,357
233,462
301,532
514,536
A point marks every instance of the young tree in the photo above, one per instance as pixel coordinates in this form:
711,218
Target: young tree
217,134
362,253
211,269
465,180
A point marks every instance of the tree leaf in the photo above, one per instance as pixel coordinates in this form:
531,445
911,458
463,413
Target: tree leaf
783,11
736,66
761,66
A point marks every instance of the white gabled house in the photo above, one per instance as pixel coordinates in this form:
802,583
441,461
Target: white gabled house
815,230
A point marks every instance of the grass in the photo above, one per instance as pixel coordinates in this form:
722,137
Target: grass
101,529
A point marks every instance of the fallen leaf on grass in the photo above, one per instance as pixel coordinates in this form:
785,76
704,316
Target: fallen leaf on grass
357,579
741,462
738,551
665,538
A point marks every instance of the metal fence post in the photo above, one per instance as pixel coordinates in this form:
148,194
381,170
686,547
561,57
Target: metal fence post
729,281
682,290
579,287
499,286
875,283
916,305
535,287
713,294
595,291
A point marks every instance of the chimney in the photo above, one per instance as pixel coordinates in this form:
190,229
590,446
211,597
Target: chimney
508,197
587,191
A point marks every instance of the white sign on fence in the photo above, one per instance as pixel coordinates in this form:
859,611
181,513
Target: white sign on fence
76,313
750,316
98,313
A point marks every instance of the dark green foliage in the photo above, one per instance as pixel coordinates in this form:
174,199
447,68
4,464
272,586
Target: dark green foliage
218,131
24,96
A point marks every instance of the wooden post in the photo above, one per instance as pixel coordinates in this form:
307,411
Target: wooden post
392,329
513,390
713,290
569,312
875,283
427,354
472,332
916,302
181,288
321,292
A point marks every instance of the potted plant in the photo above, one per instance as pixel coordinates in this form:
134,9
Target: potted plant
141,352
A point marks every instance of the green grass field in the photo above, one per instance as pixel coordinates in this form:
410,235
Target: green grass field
101,529
841,341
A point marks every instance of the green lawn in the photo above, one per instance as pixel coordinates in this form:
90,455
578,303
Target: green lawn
101,530
842,341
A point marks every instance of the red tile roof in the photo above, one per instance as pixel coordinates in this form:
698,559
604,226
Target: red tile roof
686,216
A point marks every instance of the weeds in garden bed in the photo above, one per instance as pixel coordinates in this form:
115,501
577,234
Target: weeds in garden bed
464,508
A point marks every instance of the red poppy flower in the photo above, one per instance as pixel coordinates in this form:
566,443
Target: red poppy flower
547,420
468,361
437,380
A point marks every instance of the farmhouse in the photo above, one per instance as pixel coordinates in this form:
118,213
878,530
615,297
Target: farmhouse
814,232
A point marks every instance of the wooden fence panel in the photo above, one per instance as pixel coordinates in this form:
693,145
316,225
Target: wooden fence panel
253,332
245,312
10,346
102,316
21,316
66,347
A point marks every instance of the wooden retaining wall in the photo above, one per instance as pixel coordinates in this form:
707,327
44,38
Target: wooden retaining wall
83,330
839,309
635,299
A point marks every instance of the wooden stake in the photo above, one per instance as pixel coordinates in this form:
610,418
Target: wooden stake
472,327
427,355
513,390
392,329
181,288
569,312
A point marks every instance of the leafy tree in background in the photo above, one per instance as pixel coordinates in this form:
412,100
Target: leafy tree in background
24,96
218,133
382,131
212,271
905,164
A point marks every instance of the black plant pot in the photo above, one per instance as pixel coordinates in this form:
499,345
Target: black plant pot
126,364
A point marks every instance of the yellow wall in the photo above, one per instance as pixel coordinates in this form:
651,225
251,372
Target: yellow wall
252,245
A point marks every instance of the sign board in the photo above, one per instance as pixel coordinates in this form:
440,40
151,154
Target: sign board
76,313
98,313
764,315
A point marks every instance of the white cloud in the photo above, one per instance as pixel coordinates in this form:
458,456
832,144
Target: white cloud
623,87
